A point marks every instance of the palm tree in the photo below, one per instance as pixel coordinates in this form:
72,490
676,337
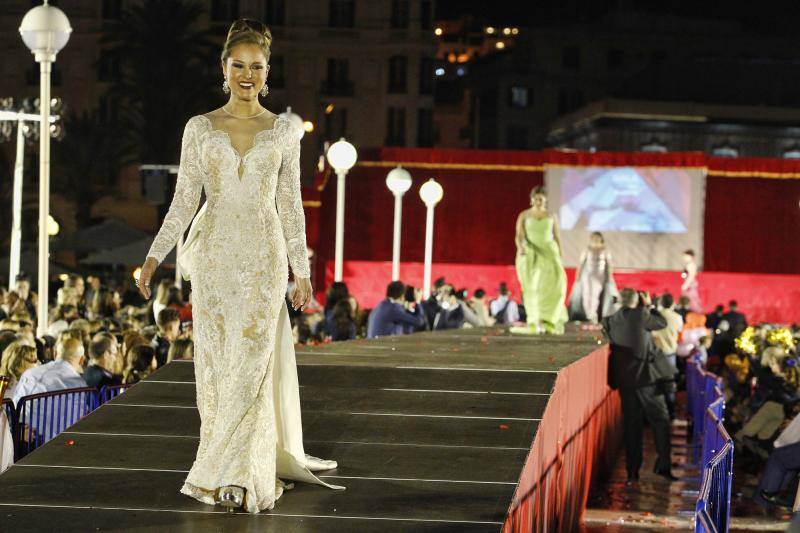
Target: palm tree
165,65
89,156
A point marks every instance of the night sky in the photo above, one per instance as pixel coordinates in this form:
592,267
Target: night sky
771,17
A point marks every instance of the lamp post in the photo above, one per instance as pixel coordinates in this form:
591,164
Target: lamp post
399,181
295,119
23,130
431,193
45,30
342,156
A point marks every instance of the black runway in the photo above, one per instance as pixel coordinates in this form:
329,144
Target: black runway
430,431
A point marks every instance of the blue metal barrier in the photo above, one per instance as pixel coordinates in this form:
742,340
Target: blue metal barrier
712,449
109,392
713,508
40,417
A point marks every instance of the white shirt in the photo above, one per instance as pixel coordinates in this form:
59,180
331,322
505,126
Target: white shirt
53,376
512,313
790,435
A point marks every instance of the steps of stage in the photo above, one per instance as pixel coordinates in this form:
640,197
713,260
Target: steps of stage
437,447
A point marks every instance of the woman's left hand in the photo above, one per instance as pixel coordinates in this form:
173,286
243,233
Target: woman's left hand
301,294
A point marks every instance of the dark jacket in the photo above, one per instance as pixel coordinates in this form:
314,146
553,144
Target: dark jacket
632,351
388,318
99,377
161,346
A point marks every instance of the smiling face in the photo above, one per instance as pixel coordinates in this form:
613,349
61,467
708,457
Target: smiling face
246,70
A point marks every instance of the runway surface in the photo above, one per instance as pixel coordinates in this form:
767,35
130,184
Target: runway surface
430,432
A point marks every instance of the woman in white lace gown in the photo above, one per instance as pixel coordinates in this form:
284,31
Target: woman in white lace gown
248,162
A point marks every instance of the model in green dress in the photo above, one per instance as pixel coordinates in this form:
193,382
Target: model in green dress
539,268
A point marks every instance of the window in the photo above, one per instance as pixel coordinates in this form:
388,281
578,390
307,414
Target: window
426,75
569,100
571,57
398,66
275,13
399,17
615,59
516,137
426,15
341,14
224,10
336,123
112,9
396,127
276,78
519,96
424,127
337,82
108,66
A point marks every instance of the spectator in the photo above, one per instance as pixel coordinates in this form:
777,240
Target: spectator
503,308
18,357
73,293
481,309
701,352
23,289
341,326
103,353
451,314
181,350
142,362
63,373
737,322
169,327
713,319
94,285
631,370
782,467
666,339
66,314
432,305
414,294
391,314
160,301
683,307
175,301
105,304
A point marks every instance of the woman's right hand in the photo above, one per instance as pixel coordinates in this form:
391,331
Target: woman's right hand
145,275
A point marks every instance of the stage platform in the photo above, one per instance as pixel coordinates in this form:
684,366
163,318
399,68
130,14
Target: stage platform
431,432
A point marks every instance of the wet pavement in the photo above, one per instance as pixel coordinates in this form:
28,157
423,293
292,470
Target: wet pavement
656,504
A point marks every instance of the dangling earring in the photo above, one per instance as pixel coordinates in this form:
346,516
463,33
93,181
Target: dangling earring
225,87
264,90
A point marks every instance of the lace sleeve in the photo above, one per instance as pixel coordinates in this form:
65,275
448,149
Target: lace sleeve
187,195
290,205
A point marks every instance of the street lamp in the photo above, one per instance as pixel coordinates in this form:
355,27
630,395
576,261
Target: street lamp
295,119
45,30
431,193
342,156
399,181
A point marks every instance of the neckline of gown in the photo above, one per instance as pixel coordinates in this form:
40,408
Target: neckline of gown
253,143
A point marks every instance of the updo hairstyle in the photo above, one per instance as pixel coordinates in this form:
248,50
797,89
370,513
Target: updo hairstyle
247,31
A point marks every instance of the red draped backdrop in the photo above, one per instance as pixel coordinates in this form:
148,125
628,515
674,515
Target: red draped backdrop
752,216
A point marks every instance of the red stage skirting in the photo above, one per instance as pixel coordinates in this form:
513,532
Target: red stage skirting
762,297
577,439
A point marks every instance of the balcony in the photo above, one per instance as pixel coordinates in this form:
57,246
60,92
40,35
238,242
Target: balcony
336,88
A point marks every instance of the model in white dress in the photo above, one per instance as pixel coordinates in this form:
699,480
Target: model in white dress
253,220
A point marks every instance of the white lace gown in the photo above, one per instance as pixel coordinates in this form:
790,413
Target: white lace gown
251,225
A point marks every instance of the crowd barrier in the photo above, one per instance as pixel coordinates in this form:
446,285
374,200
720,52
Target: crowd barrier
712,447
39,418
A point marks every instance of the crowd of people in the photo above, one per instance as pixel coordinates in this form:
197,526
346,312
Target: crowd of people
92,340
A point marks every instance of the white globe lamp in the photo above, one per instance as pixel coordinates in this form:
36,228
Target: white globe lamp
431,194
398,180
342,156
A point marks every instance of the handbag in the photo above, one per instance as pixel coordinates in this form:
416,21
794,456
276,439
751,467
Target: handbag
186,256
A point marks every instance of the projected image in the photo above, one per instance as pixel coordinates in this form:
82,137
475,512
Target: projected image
627,199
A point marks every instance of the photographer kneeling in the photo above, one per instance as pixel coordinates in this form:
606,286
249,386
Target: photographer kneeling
632,370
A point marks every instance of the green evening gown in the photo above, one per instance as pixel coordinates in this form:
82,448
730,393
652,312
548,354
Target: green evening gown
542,277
